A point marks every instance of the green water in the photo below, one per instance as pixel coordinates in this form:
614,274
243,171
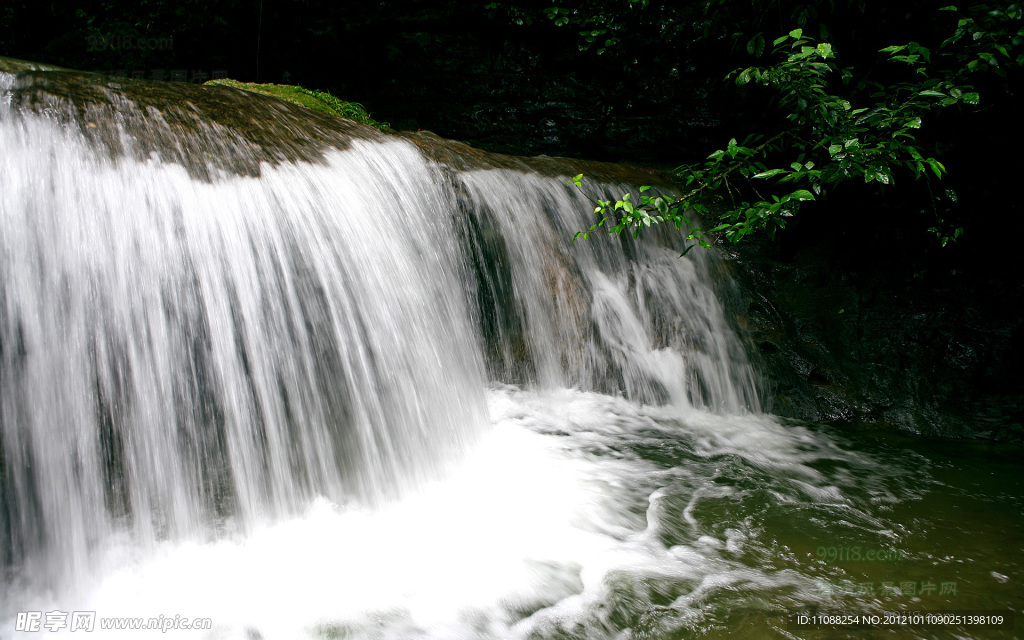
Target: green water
922,525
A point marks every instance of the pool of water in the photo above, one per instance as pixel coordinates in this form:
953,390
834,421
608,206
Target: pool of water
582,515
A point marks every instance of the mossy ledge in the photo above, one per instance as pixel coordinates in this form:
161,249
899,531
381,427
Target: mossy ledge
311,99
235,127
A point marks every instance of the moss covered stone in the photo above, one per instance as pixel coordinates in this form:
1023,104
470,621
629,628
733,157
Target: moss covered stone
315,100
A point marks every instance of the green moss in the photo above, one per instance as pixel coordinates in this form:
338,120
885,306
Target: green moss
316,100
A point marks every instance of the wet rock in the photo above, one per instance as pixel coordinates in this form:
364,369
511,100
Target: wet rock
848,345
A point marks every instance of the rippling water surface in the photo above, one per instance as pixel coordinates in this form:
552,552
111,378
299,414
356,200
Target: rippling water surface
581,515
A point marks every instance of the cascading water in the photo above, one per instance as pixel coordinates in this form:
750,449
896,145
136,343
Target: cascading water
630,318
307,380
175,350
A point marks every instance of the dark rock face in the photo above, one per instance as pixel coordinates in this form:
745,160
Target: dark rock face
844,346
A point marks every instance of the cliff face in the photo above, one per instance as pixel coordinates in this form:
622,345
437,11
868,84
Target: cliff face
863,346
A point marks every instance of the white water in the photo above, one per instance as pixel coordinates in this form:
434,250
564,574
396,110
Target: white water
265,401
530,535
650,326
249,304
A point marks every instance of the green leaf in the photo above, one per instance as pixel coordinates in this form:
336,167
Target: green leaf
971,98
755,46
802,194
769,173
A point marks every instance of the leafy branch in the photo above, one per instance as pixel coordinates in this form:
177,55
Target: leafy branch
837,131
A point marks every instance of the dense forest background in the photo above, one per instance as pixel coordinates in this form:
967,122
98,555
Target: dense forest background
645,82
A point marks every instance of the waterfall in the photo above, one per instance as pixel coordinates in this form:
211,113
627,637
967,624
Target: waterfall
610,315
216,308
